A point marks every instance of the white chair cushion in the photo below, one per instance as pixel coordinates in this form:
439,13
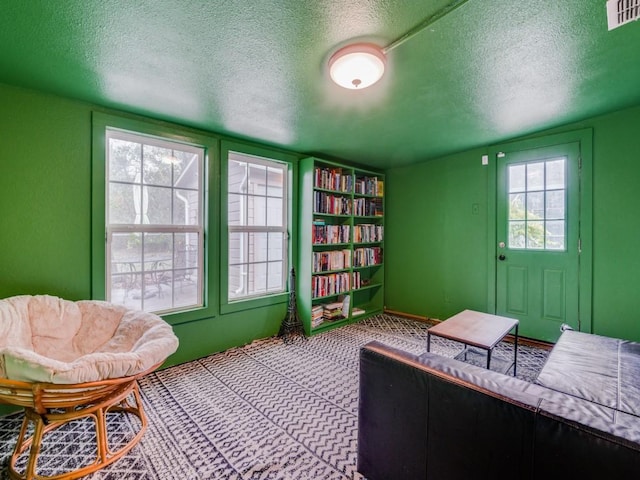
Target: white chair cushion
48,339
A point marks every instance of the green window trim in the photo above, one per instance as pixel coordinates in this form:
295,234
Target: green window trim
227,306
100,123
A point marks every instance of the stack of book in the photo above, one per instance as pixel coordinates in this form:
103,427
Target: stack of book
316,315
332,311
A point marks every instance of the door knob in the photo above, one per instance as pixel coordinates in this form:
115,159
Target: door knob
501,257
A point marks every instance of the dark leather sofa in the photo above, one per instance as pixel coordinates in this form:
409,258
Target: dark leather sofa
431,417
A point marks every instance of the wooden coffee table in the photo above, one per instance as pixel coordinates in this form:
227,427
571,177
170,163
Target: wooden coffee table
476,329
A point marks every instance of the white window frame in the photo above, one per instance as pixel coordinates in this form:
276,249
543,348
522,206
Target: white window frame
283,229
116,228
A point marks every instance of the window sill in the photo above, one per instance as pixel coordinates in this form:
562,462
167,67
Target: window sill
251,303
187,316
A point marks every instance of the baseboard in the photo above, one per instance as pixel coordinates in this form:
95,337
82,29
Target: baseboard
411,316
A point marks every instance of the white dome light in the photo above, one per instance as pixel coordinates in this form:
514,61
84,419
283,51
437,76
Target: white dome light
357,66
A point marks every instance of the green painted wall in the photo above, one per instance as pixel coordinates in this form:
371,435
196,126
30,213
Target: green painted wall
616,225
45,215
436,236
436,246
436,224
45,203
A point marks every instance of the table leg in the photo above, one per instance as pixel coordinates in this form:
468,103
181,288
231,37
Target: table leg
428,342
515,352
488,358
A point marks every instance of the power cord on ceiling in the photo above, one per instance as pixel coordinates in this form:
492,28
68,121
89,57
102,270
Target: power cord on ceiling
424,24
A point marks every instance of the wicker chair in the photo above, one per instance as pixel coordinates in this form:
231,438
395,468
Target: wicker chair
75,361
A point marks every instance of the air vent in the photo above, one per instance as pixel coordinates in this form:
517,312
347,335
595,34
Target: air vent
620,12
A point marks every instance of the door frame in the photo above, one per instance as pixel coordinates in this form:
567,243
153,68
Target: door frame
584,138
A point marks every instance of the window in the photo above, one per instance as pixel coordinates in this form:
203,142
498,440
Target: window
154,222
537,199
257,226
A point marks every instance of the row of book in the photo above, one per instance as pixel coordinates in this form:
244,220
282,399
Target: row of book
333,284
332,204
333,260
333,179
337,283
325,234
367,207
363,257
357,280
368,232
369,186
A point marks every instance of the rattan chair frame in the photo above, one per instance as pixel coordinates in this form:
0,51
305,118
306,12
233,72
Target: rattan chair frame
48,406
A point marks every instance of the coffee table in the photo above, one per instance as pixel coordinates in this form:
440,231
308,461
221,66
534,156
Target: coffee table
477,329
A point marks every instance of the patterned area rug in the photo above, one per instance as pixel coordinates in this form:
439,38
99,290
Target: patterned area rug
268,410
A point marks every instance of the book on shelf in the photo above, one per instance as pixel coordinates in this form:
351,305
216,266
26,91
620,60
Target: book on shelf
372,186
367,207
317,317
330,284
333,179
329,312
368,233
332,311
356,281
330,234
346,302
367,256
332,260
357,311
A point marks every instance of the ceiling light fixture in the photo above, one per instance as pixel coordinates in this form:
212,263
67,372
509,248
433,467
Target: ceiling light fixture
360,65
357,66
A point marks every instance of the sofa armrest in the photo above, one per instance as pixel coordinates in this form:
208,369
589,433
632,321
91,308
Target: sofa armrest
433,417
392,415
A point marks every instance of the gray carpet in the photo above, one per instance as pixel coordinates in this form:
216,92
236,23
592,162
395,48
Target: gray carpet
268,410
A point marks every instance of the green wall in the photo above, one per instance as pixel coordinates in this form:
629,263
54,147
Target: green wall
436,224
45,214
436,244
436,236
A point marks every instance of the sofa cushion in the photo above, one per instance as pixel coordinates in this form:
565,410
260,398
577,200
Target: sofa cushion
600,369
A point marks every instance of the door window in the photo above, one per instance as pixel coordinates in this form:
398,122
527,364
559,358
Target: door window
537,205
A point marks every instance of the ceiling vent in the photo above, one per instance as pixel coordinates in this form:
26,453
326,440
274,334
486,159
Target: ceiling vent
620,12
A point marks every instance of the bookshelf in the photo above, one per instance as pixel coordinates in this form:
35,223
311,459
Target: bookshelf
341,249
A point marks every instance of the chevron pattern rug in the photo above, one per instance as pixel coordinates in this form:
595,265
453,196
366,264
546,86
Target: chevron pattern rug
268,410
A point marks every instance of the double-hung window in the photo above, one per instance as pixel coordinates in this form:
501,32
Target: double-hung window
257,210
154,222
